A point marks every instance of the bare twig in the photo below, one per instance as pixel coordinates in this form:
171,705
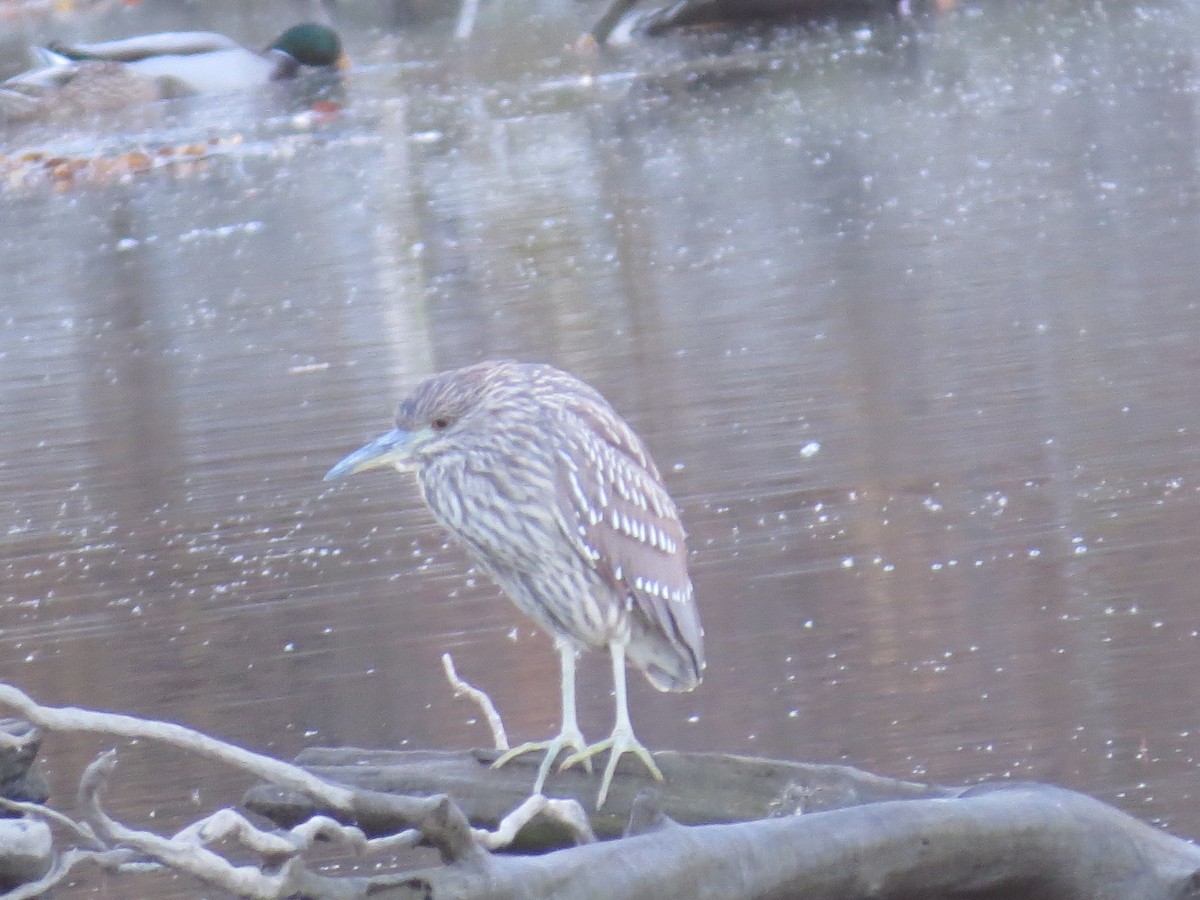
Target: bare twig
230,824
330,829
181,855
481,699
568,813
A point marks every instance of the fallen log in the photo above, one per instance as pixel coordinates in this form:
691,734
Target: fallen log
993,842
700,788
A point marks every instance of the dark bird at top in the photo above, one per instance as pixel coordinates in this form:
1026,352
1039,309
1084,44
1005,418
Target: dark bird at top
553,495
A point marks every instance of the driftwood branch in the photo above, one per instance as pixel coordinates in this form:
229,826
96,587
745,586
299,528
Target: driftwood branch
433,820
83,720
777,830
1022,842
442,826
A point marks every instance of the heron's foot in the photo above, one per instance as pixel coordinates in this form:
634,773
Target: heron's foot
620,742
567,739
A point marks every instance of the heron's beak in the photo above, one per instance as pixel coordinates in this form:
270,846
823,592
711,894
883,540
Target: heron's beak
391,449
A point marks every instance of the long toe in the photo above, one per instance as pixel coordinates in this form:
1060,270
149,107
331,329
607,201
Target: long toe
570,739
584,755
620,742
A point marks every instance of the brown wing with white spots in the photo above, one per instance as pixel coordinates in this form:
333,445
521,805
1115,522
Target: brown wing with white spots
621,520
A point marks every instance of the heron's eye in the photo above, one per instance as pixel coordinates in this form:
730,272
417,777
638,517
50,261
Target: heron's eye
441,423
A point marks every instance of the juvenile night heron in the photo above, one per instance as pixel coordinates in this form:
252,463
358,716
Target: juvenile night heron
552,494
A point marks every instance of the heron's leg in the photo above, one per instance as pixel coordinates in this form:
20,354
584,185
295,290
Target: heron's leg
621,741
569,737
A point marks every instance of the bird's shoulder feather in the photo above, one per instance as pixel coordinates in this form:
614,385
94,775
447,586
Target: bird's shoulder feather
617,513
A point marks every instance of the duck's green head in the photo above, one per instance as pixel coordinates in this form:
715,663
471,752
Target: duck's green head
311,44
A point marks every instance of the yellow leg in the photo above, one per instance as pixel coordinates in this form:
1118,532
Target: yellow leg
569,738
621,741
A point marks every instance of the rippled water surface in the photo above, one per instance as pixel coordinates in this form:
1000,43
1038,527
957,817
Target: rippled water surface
907,311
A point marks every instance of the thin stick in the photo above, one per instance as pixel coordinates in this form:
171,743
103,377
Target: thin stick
568,813
482,700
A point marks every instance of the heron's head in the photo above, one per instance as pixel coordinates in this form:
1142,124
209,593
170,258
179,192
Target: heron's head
452,412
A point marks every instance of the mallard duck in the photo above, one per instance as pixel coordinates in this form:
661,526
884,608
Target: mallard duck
203,62
78,79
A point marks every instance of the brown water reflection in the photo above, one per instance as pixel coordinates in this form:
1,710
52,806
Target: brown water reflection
907,311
